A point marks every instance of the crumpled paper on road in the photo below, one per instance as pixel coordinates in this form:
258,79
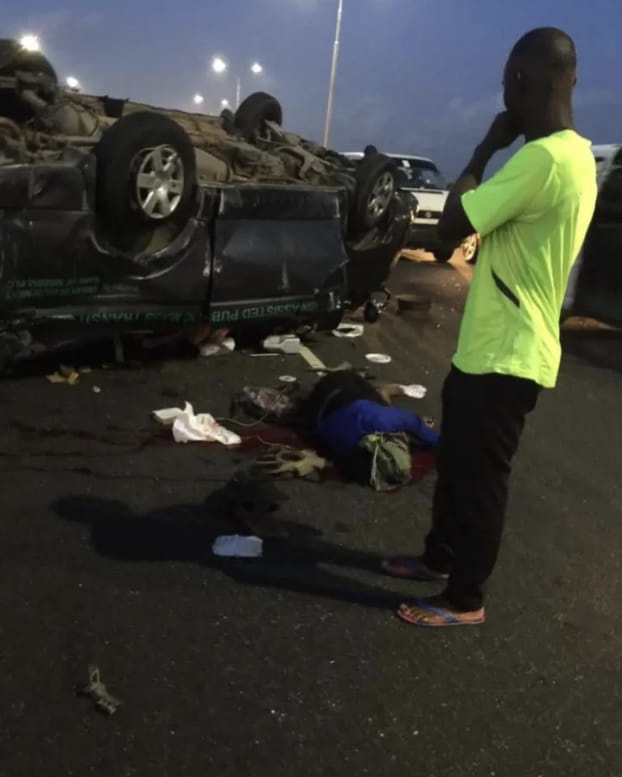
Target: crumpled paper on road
189,426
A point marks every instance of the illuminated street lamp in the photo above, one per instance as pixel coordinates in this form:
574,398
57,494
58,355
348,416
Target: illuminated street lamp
73,83
198,99
224,104
220,66
30,43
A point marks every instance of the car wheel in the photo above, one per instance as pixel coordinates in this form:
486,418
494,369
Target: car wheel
375,187
258,108
371,313
14,59
469,247
227,119
443,254
146,170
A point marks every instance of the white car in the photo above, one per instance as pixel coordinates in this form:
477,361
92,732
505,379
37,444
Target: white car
420,176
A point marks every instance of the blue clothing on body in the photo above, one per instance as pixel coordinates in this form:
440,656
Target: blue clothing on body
345,428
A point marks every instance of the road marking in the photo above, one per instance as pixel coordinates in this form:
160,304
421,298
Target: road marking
312,360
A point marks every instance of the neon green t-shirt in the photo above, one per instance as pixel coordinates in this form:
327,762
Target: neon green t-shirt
533,216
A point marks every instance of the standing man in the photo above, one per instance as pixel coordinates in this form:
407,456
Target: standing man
533,215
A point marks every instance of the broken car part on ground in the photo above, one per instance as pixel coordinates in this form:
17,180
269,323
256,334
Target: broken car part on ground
121,217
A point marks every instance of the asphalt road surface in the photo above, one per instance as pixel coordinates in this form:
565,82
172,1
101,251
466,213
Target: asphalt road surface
294,663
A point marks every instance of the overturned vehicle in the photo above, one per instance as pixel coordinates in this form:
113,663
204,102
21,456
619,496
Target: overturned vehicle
117,216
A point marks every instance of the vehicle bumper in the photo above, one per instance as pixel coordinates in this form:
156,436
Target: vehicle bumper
425,237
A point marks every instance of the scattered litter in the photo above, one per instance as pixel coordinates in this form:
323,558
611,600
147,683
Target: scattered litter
349,330
264,403
191,427
285,462
96,390
168,415
264,354
203,427
287,379
64,375
414,391
286,344
378,358
214,348
238,546
390,390
85,370
97,691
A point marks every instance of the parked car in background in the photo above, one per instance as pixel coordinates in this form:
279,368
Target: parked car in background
420,177
121,217
595,286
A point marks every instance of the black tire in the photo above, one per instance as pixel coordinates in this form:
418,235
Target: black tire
127,147
443,254
375,177
14,58
371,314
227,118
254,111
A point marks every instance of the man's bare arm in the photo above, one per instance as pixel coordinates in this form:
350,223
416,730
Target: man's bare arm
454,224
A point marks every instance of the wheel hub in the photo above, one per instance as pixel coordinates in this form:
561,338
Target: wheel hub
381,195
159,181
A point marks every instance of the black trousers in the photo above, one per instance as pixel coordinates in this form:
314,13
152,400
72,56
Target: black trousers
483,418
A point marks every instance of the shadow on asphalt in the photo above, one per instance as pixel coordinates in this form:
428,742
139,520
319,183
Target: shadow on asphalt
601,348
185,533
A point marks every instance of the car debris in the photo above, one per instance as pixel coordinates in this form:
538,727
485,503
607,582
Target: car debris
214,349
96,690
286,344
349,330
64,374
264,404
378,358
238,546
284,462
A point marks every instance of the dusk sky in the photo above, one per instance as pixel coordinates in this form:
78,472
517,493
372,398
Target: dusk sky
415,76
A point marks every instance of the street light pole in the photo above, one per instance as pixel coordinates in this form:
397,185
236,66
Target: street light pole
333,73
238,92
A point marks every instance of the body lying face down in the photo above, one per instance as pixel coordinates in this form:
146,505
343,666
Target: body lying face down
362,433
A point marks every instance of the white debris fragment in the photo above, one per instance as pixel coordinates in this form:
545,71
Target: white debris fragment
189,426
349,330
287,344
414,391
238,546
